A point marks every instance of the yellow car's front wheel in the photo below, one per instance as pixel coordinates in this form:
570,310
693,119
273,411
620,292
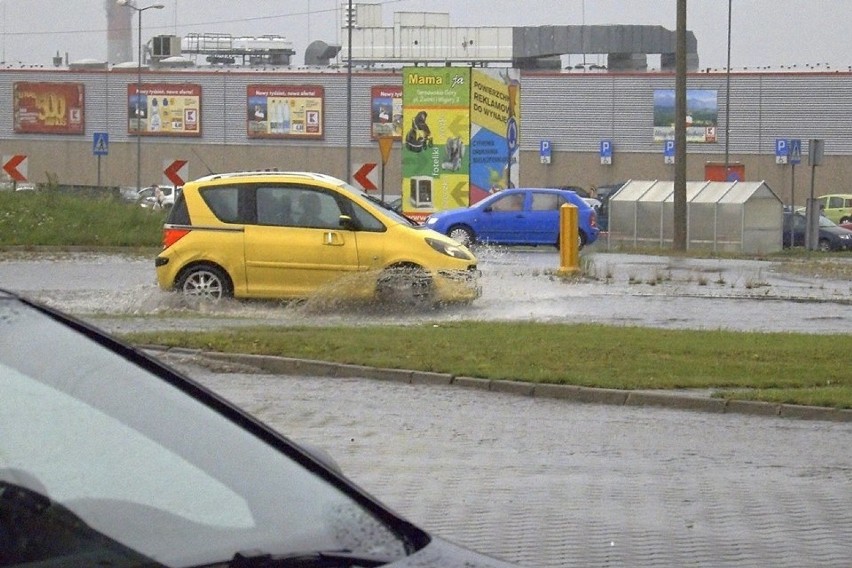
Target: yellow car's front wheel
407,285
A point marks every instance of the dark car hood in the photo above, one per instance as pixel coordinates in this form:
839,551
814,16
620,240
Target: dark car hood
838,231
440,553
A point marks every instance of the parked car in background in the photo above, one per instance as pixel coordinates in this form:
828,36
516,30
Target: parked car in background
147,197
110,458
287,235
837,207
602,193
581,191
846,225
593,203
831,236
522,216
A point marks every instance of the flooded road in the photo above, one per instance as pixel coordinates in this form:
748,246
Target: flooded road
119,293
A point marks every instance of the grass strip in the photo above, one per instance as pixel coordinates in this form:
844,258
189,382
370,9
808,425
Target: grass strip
788,367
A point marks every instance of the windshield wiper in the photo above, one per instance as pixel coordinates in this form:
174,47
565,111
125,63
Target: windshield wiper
316,559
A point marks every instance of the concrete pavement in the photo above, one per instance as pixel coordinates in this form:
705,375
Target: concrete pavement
549,482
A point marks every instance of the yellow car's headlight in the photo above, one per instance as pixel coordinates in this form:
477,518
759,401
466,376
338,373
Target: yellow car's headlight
449,249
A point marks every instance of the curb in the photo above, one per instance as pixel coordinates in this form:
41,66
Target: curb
665,399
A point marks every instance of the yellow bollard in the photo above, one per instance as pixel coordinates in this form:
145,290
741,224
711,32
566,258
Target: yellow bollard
569,248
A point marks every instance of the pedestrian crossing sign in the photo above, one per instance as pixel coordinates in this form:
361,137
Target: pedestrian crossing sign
100,144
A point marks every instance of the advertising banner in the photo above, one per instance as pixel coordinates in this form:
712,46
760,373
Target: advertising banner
164,110
49,108
495,122
702,115
386,111
436,125
285,111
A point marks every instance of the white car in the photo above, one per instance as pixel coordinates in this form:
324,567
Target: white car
145,197
593,203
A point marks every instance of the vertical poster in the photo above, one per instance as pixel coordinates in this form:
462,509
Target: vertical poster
285,111
386,111
436,136
164,110
48,108
495,123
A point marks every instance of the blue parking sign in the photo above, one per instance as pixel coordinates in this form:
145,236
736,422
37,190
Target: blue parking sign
782,150
606,152
669,151
545,151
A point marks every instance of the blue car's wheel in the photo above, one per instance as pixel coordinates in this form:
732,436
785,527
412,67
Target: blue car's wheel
581,241
461,233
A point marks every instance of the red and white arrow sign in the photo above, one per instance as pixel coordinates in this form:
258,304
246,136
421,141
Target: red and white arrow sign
175,172
365,177
15,167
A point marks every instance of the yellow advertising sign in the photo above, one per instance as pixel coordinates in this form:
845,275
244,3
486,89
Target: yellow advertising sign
164,110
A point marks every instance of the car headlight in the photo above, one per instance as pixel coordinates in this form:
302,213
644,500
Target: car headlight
449,249
431,220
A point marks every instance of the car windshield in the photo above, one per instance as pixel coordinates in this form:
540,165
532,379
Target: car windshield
103,461
388,210
386,207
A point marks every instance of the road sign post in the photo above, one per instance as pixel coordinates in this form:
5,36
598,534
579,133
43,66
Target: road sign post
816,149
100,147
795,148
385,145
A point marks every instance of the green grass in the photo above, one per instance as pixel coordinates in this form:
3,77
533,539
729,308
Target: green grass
51,218
781,367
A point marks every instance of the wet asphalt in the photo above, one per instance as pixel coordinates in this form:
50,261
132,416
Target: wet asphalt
552,482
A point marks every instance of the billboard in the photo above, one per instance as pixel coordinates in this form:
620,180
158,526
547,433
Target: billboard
49,108
702,115
285,111
386,111
436,136
495,120
164,110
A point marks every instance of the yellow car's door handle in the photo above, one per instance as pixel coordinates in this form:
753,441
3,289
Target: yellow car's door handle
332,238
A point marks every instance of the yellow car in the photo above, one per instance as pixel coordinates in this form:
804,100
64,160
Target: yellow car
291,235
837,207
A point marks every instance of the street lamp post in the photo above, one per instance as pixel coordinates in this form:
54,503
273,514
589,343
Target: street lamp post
130,4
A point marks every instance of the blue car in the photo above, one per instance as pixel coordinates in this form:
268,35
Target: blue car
516,217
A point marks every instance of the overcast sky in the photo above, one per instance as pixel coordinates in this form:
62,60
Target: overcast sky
765,33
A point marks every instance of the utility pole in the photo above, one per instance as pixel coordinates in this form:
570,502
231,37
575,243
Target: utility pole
680,212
